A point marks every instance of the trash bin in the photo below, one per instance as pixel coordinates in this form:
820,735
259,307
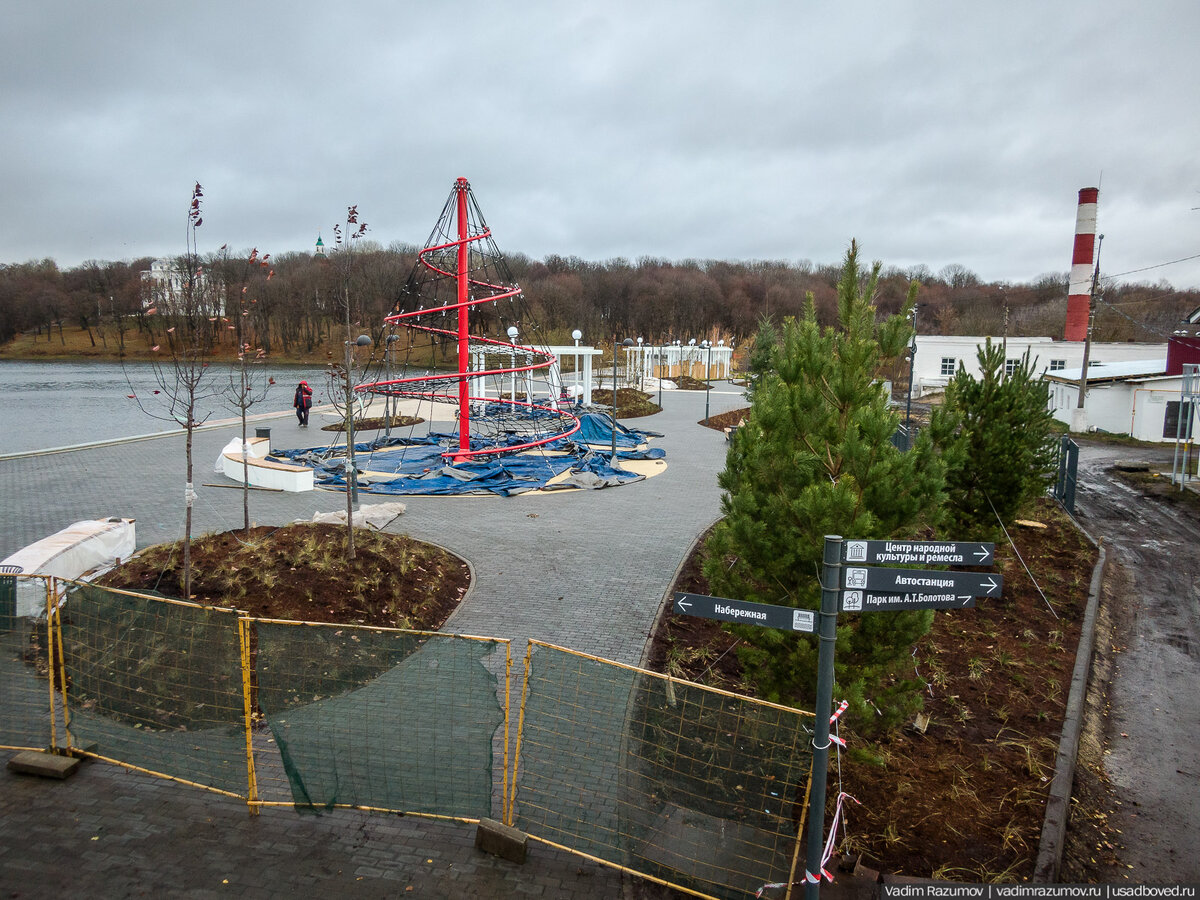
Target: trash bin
262,433
8,597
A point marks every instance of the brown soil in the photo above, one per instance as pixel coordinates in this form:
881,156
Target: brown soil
688,383
727,419
300,572
377,423
631,403
1158,484
965,799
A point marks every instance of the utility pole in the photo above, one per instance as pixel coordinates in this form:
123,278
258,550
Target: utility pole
912,369
1079,419
1004,371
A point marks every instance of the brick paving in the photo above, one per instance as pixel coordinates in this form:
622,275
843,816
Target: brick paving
585,570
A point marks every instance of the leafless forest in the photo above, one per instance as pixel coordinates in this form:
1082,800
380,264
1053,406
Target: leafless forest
298,311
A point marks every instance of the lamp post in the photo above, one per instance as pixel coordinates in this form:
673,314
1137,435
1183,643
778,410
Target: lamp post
707,376
577,336
351,471
387,398
625,343
660,371
512,365
912,368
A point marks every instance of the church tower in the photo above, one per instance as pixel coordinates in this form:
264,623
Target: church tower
319,252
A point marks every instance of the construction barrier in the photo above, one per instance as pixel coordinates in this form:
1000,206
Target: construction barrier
687,785
272,712
27,705
378,718
691,786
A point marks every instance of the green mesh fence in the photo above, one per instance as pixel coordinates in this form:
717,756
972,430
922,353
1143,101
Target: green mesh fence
379,718
156,684
697,787
24,674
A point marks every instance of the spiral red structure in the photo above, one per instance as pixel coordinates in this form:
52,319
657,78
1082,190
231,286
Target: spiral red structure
459,270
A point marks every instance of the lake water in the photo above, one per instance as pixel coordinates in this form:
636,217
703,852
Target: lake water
59,404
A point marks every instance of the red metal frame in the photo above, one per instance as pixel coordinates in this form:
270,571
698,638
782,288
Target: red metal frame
464,284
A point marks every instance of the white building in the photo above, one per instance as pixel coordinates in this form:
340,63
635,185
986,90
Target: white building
939,356
1134,398
1134,389
164,288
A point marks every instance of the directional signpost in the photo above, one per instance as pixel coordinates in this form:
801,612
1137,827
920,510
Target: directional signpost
857,588
865,588
868,590
787,618
921,553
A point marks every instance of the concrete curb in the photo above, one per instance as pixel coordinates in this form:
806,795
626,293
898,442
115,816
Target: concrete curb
665,603
1058,803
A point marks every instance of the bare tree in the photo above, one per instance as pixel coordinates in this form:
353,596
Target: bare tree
344,257
191,310
247,382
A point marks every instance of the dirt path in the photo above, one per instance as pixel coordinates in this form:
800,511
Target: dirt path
1144,824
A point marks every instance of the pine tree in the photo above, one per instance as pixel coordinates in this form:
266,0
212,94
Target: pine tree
997,440
759,364
815,458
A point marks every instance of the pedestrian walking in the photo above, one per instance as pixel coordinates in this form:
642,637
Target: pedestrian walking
303,402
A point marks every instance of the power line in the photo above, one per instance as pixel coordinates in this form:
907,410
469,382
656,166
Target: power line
1158,266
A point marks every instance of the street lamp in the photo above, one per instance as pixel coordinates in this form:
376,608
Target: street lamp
660,370
707,377
625,343
352,472
387,398
577,336
912,367
512,366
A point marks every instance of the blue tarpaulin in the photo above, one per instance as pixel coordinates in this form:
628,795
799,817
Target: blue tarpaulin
420,465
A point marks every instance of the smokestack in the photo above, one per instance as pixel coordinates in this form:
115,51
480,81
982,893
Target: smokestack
1079,290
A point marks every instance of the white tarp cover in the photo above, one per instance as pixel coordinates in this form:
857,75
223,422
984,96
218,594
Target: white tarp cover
69,553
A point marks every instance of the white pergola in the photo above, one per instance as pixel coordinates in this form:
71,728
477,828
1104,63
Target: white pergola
552,381
702,361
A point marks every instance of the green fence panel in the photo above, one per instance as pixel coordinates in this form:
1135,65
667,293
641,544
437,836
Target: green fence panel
156,684
24,674
700,788
380,718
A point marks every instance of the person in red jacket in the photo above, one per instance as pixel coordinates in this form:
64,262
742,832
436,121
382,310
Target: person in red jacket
303,402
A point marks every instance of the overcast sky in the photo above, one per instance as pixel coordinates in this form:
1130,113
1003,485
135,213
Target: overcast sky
933,132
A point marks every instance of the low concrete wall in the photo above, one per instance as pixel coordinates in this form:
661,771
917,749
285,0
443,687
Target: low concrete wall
1058,803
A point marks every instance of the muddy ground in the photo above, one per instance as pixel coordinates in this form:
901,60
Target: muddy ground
1136,814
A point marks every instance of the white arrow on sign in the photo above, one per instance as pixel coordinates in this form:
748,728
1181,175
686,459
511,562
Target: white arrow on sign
990,585
683,604
983,556
966,601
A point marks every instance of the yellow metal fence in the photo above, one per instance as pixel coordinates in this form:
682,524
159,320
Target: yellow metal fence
687,785
692,786
27,720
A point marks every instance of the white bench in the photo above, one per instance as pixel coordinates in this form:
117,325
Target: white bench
262,472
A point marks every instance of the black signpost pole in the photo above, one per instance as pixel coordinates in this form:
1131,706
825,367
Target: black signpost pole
867,589
831,576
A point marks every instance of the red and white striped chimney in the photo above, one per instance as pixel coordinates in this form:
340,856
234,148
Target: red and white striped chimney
1079,291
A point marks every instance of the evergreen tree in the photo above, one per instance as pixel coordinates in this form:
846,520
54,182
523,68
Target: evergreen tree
759,364
815,458
997,441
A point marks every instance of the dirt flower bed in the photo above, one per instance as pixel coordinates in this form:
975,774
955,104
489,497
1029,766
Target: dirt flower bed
963,799
631,403
378,423
299,571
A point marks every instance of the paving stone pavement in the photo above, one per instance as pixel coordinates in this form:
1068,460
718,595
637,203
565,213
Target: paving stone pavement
585,570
